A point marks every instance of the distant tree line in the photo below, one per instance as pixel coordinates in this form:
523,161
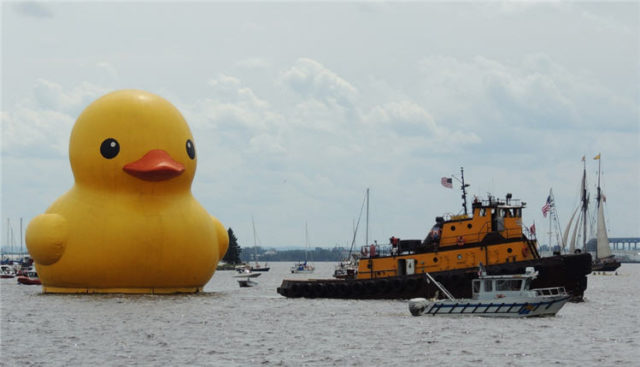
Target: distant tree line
317,254
236,254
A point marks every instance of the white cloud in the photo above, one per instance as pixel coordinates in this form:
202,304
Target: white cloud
232,106
52,96
537,91
28,132
34,9
404,117
41,124
311,79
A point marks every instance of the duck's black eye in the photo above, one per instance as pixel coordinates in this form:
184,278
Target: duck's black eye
109,148
191,149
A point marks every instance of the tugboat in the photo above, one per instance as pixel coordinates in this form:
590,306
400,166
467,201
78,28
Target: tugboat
496,296
450,253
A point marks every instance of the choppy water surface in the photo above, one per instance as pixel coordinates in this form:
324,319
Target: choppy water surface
232,326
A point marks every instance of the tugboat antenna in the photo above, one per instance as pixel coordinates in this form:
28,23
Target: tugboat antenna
464,189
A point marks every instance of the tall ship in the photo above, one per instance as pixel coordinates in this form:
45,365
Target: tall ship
492,235
576,232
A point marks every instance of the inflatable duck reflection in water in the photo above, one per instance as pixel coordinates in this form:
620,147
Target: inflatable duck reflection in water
129,224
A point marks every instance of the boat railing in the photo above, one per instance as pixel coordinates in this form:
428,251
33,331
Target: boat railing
548,292
440,286
493,201
378,251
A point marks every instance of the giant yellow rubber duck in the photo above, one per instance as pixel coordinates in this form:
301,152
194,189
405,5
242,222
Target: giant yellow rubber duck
130,223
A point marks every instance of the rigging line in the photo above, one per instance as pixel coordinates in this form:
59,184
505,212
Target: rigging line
355,232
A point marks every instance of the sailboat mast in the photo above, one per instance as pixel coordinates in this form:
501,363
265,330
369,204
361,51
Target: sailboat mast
306,240
21,223
8,244
255,243
585,204
598,197
253,225
366,236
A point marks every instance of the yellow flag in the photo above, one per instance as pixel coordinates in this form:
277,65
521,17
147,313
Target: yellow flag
597,157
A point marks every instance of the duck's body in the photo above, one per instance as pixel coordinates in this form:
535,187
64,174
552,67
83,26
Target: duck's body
130,223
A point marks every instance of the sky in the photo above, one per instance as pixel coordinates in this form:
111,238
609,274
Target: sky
297,108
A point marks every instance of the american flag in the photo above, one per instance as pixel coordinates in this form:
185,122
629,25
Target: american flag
547,206
532,229
447,182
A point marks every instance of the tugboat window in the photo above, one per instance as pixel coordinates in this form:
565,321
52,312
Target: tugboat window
469,226
459,257
435,259
509,250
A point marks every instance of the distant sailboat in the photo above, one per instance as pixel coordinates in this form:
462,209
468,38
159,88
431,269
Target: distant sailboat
256,266
348,268
603,260
304,267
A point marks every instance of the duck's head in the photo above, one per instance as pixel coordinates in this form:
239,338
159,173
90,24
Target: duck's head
132,141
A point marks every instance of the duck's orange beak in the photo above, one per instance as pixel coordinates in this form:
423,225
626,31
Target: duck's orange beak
156,165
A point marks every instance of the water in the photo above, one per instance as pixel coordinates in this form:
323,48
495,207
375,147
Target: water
232,326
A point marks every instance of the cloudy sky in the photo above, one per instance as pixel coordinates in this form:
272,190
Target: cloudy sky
297,108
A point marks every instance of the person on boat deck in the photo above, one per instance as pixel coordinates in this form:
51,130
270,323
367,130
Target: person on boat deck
394,245
434,235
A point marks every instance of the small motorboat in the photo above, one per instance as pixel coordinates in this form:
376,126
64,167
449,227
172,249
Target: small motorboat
346,269
496,296
7,272
256,267
244,278
29,277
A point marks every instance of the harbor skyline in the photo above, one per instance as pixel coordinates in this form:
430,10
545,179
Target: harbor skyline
296,109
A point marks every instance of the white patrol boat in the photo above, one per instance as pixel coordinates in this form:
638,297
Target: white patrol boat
245,275
496,296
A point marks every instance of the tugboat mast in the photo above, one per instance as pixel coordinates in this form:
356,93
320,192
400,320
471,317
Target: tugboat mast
464,191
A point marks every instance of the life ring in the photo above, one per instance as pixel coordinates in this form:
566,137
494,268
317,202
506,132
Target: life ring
364,251
460,241
525,251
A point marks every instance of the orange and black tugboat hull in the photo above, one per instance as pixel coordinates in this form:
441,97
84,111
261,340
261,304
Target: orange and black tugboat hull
568,271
